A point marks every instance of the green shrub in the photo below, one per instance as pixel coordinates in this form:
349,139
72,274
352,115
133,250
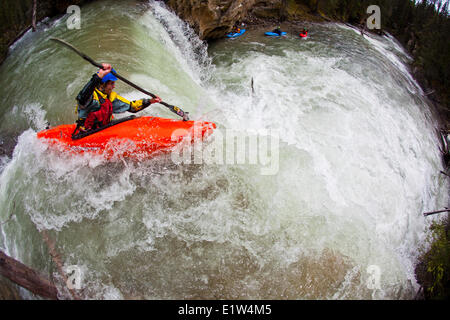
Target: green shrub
435,275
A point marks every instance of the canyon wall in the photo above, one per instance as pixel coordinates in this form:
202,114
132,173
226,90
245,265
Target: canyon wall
214,18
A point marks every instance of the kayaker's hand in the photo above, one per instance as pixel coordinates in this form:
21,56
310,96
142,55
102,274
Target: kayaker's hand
106,69
186,116
156,100
145,102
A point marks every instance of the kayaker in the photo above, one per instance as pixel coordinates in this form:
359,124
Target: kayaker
236,29
277,30
97,101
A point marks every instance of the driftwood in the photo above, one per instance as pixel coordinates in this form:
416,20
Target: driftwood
30,279
444,173
33,18
57,260
253,89
434,212
26,277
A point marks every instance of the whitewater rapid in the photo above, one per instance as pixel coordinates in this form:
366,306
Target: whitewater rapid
340,216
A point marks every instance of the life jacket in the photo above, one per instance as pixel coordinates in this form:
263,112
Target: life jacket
100,117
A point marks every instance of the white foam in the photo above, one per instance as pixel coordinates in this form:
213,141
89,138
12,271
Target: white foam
368,155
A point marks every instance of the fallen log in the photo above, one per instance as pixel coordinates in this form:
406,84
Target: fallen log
26,277
444,173
57,260
434,212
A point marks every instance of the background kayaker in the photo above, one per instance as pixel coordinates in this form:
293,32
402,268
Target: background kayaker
97,101
277,30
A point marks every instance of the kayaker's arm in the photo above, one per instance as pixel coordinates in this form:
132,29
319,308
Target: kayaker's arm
121,104
85,95
140,105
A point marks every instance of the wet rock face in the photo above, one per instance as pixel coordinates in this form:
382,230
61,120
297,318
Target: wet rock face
214,18
15,17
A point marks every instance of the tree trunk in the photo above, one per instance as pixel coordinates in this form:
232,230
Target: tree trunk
33,19
26,277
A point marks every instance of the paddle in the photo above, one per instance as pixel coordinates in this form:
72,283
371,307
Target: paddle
172,108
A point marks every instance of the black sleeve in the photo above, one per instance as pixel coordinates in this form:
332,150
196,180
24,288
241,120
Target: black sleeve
86,93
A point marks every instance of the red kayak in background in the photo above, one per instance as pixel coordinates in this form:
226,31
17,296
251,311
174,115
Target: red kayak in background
303,34
137,137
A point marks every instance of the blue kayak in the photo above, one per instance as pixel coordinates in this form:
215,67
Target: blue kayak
235,34
274,34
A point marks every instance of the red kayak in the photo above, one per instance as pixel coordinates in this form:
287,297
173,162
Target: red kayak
138,138
303,34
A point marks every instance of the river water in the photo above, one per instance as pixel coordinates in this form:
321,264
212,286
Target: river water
337,216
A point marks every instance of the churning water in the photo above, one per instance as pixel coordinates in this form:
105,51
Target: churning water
339,218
